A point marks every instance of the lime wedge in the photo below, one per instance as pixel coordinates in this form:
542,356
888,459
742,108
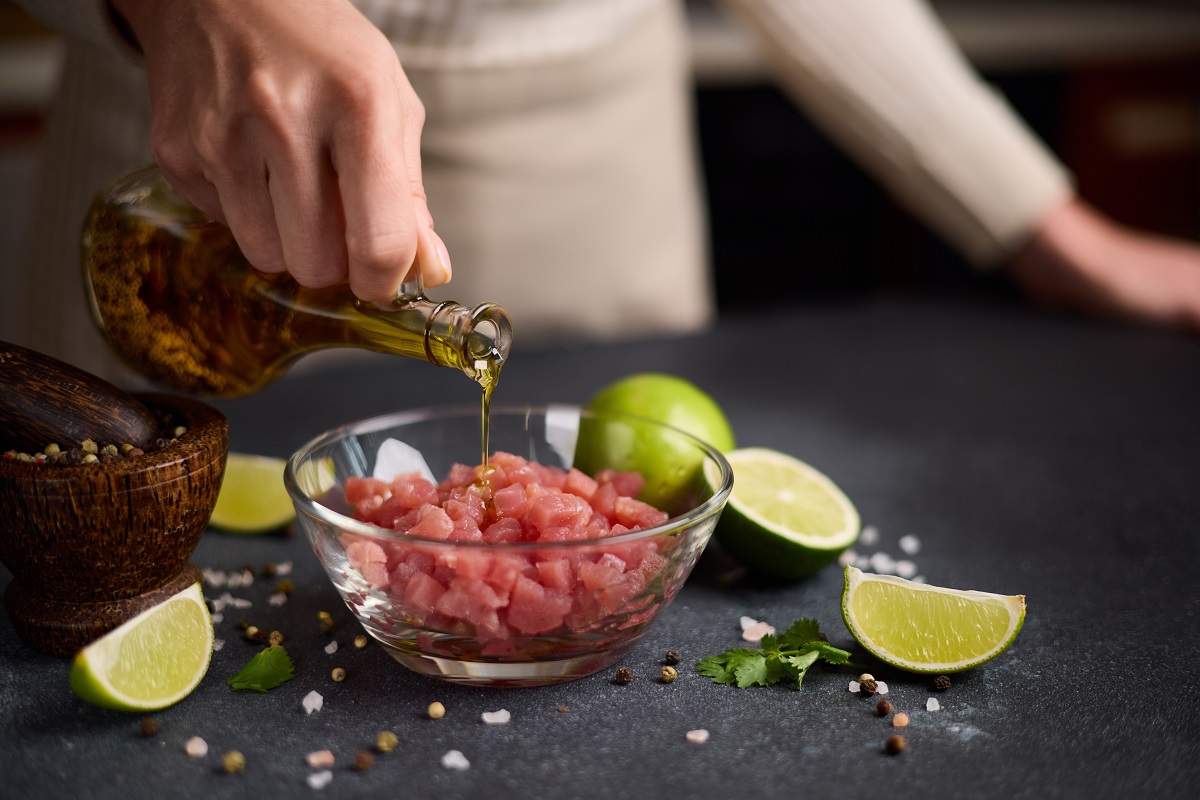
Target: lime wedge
927,629
253,498
152,661
784,517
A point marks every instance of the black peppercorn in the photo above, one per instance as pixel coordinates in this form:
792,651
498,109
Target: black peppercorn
149,727
671,658
895,744
941,683
883,707
869,686
624,676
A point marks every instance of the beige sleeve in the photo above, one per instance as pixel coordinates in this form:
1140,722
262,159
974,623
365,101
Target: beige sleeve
884,80
92,21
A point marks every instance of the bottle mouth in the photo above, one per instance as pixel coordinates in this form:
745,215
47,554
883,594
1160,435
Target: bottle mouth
489,339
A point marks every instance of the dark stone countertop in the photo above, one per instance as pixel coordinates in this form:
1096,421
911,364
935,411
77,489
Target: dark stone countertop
1030,455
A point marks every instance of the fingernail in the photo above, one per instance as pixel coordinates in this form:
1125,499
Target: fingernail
443,255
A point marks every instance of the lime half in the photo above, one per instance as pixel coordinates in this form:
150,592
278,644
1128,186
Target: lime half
152,661
784,517
253,498
927,629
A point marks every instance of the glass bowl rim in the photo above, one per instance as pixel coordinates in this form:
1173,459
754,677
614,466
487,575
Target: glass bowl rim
306,505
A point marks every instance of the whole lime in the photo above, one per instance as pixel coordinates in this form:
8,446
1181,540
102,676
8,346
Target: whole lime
669,462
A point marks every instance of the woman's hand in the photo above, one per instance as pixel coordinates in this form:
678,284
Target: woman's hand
1082,261
293,123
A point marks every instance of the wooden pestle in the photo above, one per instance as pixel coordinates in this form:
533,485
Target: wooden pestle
44,401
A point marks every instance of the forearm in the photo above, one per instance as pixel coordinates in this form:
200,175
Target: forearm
884,81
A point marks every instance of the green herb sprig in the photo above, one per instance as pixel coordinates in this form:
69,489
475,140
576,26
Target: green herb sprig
268,669
784,657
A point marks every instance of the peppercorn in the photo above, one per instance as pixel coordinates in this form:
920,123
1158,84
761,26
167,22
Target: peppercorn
253,634
338,674
868,687
363,761
52,449
233,762
436,710
269,571
285,586
360,641
326,621
669,674
386,741
624,676
242,625
900,720
149,727
563,709
88,446
91,458
883,707
276,638
671,658
895,744
941,683
134,451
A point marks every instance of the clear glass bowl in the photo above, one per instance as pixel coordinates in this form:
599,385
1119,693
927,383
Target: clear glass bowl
588,617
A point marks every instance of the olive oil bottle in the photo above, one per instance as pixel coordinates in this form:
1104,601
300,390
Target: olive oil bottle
180,304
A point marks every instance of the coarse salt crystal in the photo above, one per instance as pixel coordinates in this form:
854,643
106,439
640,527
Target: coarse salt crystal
919,579
910,544
932,704
283,568
277,599
906,568
234,581
862,562
319,780
757,631
454,759
331,648
698,736
869,535
500,717
218,618
320,758
313,701
218,644
214,578
854,687
882,562
847,558
196,747
880,687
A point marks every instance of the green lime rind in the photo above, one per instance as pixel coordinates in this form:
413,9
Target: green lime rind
150,662
941,635
794,550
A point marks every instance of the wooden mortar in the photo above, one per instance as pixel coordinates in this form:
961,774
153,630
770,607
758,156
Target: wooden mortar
92,545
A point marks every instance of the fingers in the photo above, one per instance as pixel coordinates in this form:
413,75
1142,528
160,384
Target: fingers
309,219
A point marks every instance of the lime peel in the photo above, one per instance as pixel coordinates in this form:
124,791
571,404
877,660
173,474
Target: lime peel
151,661
928,629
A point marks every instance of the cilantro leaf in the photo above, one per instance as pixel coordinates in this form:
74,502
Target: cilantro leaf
831,654
800,664
802,631
788,656
722,668
266,670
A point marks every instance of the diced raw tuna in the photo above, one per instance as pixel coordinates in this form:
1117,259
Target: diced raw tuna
494,596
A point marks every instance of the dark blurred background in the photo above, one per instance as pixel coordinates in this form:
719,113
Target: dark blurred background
1112,86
